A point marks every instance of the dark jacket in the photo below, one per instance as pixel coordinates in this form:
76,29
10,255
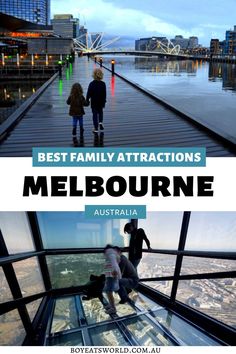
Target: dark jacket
136,244
77,106
127,269
97,93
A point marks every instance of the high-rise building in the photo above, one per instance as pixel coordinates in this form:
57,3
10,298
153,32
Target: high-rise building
185,43
64,25
230,42
150,43
193,42
215,46
181,41
141,44
36,11
83,35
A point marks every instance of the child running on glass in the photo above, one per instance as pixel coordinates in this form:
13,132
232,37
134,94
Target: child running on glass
112,274
77,102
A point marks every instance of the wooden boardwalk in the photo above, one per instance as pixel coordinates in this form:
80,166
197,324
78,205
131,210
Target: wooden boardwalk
130,118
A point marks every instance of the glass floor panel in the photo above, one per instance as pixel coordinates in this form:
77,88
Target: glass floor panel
142,302
78,322
71,339
108,335
181,329
146,333
65,315
123,309
94,311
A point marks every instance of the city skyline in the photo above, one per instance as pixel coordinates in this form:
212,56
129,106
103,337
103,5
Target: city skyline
151,18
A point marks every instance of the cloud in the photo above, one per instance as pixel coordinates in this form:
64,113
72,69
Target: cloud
109,17
152,18
214,26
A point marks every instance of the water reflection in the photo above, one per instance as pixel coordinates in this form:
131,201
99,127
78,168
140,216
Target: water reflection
188,334
165,67
98,140
60,86
215,72
13,94
113,86
225,73
200,89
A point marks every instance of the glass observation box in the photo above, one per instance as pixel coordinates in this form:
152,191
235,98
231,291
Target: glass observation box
186,293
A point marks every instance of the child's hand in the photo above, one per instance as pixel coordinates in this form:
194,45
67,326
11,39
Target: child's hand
114,273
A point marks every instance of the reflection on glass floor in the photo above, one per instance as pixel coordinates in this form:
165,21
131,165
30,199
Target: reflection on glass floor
141,322
187,334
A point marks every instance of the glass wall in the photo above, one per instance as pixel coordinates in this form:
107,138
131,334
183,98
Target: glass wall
197,265
29,276
24,276
74,269
213,297
33,307
11,329
66,235
156,265
16,231
163,286
212,231
206,231
162,229
74,230
5,293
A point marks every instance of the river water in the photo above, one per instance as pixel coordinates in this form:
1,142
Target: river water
15,93
205,91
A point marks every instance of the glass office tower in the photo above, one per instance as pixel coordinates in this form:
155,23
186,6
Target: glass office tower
186,293
36,11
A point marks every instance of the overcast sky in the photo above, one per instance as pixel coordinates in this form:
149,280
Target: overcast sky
140,18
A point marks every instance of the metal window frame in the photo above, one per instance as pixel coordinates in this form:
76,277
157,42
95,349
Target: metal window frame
219,329
15,288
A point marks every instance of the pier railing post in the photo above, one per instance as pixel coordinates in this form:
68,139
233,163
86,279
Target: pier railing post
113,67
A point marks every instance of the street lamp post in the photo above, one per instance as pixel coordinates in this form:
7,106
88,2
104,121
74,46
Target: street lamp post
113,67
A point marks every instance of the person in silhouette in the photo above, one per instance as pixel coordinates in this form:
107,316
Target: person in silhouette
76,101
97,94
137,236
129,277
113,274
